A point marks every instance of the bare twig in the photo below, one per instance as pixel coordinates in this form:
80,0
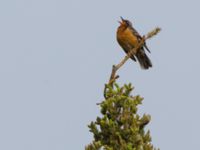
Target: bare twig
113,75
115,68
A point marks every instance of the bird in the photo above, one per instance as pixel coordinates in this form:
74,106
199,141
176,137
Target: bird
128,38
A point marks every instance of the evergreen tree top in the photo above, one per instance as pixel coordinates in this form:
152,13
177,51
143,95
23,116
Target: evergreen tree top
120,127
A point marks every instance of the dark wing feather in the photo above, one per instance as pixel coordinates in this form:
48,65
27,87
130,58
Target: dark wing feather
139,37
135,33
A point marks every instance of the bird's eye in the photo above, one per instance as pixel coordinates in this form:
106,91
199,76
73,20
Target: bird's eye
129,23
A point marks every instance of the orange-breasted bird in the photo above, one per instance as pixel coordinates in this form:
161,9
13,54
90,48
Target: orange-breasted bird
128,38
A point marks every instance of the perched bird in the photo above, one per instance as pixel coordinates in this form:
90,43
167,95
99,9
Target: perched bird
128,38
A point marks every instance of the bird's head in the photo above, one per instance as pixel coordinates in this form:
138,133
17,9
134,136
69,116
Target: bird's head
124,22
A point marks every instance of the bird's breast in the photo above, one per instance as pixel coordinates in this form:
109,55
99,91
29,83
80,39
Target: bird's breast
126,37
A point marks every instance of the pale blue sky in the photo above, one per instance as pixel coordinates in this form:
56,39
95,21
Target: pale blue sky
56,55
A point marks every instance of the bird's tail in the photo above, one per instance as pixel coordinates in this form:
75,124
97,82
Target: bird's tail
143,59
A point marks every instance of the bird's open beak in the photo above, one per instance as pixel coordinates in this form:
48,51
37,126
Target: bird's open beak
122,19
120,22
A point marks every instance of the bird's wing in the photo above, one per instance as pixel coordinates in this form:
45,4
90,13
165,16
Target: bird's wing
139,38
135,33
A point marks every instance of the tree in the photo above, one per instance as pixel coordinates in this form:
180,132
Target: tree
120,127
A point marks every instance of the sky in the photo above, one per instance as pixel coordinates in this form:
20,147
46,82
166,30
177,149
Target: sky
56,56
